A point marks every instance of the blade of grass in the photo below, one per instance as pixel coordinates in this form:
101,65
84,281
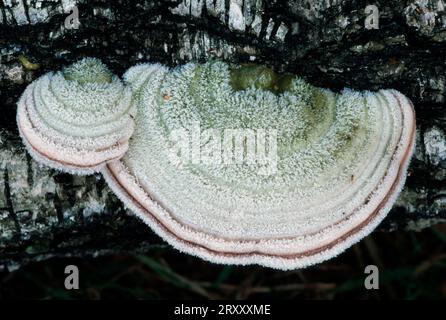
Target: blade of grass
170,276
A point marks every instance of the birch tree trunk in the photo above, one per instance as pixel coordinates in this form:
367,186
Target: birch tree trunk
331,43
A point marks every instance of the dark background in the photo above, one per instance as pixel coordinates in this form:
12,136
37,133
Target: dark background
412,265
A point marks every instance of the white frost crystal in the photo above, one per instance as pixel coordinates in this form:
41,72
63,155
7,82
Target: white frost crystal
341,162
78,119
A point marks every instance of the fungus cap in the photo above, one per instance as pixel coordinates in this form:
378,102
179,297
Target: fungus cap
78,119
316,170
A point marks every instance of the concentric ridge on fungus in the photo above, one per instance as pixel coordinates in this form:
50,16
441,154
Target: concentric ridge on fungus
340,162
78,119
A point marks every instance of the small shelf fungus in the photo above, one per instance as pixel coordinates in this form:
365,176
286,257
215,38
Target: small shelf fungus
78,119
239,165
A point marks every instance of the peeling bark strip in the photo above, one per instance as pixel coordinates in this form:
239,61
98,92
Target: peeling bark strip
238,15
324,41
8,202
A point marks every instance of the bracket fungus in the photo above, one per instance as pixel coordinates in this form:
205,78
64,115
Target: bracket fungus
78,119
239,165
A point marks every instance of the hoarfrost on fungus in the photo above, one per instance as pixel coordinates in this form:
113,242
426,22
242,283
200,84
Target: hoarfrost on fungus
341,158
77,119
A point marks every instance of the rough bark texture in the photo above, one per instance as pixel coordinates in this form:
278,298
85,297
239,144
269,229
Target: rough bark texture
45,213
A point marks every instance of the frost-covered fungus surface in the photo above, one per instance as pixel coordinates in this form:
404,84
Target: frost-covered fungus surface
76,119
332,164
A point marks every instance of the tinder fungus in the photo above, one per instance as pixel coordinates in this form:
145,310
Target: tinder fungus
234,164
78,119
238,165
